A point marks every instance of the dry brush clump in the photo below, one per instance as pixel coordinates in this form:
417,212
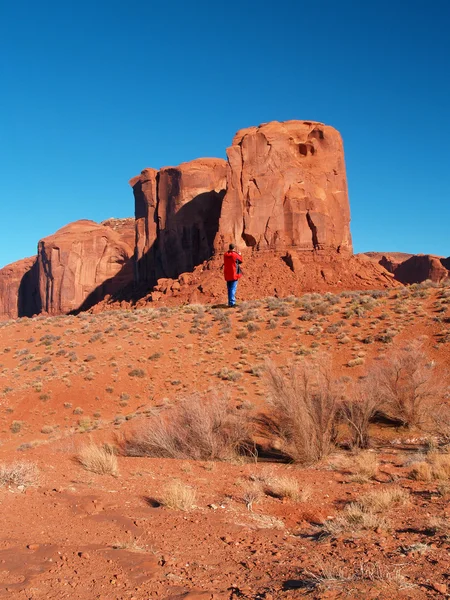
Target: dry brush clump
20,473
178,496
304,401
98,459
367,513
364,466
436,467
408,386
198,428
359,409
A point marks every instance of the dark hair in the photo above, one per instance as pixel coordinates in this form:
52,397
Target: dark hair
231,247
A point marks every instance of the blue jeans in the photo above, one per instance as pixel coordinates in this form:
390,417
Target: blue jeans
232,286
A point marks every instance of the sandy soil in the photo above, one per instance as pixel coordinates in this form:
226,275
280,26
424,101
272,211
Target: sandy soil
66,381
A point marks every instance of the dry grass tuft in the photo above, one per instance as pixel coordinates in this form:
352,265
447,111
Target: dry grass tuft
304,404
98,459
19,474
364,466
198,429
353,519
287,487
435,467
330,574
440,526
178,496
381,500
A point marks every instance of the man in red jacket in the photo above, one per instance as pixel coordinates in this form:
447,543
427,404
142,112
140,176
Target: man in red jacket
232,272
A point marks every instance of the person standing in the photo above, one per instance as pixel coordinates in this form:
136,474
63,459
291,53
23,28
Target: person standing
232,259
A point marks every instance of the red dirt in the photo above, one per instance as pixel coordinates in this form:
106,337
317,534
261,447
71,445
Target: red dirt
79,535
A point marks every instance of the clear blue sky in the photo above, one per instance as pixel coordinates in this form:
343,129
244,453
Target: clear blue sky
91,92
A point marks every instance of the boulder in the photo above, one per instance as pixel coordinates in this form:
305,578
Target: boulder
81,263
286,189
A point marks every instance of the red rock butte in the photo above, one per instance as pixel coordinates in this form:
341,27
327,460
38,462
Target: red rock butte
281,197
287,189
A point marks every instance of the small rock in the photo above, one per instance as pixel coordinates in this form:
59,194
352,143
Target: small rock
440,587
33,546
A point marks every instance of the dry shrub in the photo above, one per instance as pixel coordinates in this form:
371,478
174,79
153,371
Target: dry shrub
381,500
408,386
178,496
364,466
98,459
358,410
435,467
286,487
304,404
19,474
252,493
439,526
197,428
355,518
330,574
440,423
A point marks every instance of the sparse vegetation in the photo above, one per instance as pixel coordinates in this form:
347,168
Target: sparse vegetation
19,474
304,403
98,459
198,428
178,496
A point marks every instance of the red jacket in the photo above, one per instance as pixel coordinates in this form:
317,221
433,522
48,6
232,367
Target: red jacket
231,262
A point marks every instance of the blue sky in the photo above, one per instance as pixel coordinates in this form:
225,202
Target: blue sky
94,91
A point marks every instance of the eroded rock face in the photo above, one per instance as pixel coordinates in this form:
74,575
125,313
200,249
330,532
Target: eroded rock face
82,262
19,289
177,213
287,189
413,268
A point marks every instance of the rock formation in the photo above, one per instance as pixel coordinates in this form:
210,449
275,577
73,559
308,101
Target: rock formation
177,213
83,261
75,267
19,289
287,189
413,268
282,197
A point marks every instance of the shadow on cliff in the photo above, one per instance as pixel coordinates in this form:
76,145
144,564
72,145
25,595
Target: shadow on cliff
28,298
186,242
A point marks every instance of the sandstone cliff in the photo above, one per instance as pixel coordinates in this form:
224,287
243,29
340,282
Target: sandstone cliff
75,267
287,189
19,289
177,213
413,268
81,260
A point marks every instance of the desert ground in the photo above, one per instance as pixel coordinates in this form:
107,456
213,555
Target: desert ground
111,487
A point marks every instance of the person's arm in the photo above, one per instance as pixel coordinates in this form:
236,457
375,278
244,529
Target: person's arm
239,257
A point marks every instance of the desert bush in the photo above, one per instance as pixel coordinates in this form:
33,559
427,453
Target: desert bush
197,428
304,404
98,459
359,408
408,386
252,493
19,473
178,496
